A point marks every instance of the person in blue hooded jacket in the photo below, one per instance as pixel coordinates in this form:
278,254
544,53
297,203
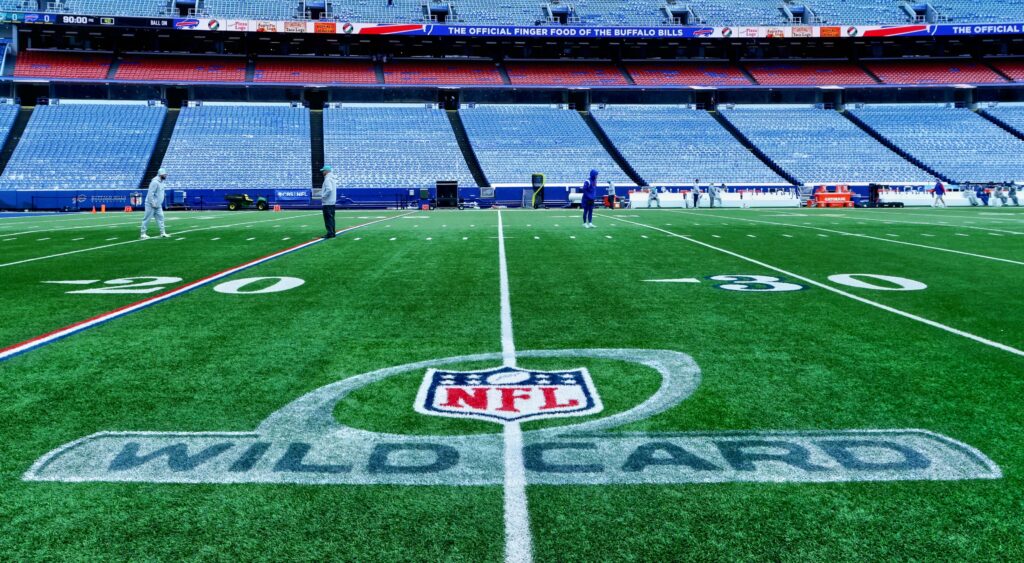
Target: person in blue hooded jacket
589,195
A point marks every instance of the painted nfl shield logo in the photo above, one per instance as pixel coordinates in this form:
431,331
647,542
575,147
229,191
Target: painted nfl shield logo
508,394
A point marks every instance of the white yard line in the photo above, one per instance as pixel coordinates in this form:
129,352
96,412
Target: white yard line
890,241
90,249
518,539
911,316
72,228
1008,216
938,225
31,344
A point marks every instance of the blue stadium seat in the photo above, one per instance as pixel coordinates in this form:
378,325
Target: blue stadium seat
1010,114
392,146
864,12
819,146
956,142
85,145
8,113
240,146
672,145
512,142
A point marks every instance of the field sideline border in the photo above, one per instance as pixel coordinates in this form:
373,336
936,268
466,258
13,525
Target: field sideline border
61,333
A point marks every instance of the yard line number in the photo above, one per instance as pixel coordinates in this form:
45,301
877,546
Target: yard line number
765,284
152,284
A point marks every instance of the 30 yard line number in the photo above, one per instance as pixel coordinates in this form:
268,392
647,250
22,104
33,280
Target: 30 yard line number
876,282
152,284
771,284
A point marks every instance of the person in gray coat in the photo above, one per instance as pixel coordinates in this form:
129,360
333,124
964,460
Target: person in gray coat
971,196
715,194
155,204
328,200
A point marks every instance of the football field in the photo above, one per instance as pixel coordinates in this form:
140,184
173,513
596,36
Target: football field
687,385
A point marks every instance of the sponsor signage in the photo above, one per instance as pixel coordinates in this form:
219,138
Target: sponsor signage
292,195
186,23
552,31
325,27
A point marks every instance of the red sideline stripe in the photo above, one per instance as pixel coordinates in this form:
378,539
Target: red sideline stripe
148,300
892,31
386,29
21,347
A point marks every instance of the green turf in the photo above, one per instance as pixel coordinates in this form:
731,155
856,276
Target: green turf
802,360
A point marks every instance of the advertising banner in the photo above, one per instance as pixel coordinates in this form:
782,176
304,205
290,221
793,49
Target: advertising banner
540,31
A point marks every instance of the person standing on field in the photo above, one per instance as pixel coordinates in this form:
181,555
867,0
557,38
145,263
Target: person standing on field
328,200
940,194
715,195
653,197
155,204
696,193
589,195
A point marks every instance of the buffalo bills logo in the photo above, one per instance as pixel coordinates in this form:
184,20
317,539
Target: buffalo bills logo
190,23
508,394
703,32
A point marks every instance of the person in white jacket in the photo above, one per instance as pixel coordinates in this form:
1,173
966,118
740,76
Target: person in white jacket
155,203
328,199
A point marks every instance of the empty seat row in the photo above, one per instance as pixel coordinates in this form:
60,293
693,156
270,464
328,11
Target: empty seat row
87,145
820,146
672,145
240,146
513,142
956,142
72,65
393,146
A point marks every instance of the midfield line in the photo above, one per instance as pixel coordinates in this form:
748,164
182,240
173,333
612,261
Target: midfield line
53,336
518,539
890,241
911,316
135,240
